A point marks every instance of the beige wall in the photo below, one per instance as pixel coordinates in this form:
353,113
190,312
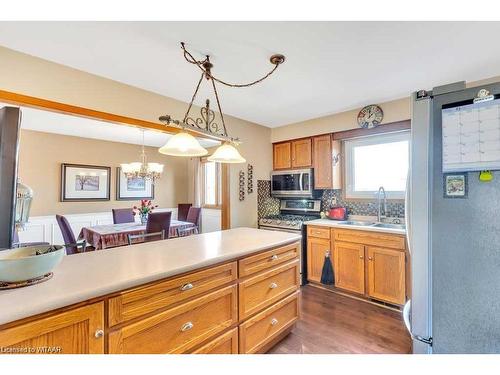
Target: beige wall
32,76
41,155
395,110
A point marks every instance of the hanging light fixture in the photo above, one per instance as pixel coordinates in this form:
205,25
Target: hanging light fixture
143,169
183,143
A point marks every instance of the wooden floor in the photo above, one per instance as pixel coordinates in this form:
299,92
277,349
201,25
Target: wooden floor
331,323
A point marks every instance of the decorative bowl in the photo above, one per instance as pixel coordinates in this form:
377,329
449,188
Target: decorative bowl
22,264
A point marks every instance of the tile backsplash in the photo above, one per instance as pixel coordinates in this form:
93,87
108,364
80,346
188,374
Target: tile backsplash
361,207
268,205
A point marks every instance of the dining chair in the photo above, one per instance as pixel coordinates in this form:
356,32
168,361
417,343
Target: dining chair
193,217
123,215
157,227
70,243
182,211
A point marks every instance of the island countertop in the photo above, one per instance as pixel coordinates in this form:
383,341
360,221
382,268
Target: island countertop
94,274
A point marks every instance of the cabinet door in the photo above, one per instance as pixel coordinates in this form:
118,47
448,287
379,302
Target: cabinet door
77,331
322,151
282,157
302,153
316,250
349,266
386,274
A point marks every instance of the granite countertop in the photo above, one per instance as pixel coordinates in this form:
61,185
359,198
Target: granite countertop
88,275
338,224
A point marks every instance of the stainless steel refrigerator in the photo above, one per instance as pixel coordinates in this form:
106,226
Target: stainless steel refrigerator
454,241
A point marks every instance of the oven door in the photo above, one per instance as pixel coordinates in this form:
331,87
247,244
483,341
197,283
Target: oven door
292,183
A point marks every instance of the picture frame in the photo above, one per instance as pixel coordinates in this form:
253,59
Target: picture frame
133,189
455,185
85,183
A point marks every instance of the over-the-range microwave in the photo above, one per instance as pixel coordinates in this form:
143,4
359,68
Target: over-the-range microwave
293,183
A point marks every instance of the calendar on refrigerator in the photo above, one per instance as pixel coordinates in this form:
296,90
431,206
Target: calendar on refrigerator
471,136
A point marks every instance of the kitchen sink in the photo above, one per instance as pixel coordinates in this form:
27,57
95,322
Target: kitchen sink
390,226
358,223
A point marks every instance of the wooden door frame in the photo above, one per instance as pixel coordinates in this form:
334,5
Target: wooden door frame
68,109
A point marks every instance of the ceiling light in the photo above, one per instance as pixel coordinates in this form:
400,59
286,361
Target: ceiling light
184,144
226,153
142,169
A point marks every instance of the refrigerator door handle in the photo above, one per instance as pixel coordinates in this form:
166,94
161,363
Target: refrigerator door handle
406,318
408,210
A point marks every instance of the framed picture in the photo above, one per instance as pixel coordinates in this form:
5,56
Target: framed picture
455,185
131,189
85,183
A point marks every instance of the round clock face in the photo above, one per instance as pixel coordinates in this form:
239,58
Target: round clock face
370,116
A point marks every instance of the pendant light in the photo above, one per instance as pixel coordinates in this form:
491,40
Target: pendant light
183,143
226,153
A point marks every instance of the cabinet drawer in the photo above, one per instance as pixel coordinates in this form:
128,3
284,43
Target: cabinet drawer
261,291
143,300
224,344
268,259
181,328
76,331
393,241
318,232
263,327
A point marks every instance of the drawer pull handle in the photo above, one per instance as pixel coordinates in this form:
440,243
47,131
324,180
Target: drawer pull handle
274,321
187,287
370,258
99,333
361,257
274,257
187,326
273,286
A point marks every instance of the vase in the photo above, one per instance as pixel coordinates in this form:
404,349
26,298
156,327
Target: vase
144,218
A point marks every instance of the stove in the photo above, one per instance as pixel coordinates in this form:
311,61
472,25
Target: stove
293,214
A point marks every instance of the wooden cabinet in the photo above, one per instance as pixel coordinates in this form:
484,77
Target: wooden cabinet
316,251
262,328
349,266
77,331
282,155
322,157
179,329
226,343
140,301
292,154
386,274
302,153
264,289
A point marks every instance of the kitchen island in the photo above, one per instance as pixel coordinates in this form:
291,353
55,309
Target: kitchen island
229,291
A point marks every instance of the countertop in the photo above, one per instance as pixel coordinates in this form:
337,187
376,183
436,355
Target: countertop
337,224
84,276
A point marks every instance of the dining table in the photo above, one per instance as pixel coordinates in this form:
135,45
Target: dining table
106,236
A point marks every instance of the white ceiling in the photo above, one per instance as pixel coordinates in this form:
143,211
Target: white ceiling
330,66
50,122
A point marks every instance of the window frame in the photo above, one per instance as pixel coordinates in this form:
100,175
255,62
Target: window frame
350,144
218,187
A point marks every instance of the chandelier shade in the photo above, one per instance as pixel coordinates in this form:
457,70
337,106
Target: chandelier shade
182,144
227,153
142,169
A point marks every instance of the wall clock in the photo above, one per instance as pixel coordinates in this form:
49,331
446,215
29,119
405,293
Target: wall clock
370,116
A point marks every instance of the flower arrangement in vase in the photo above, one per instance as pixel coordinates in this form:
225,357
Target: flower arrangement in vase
144,209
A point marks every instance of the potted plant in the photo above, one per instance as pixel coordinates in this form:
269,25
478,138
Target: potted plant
144,209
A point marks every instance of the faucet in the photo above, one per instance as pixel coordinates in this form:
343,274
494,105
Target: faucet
379,215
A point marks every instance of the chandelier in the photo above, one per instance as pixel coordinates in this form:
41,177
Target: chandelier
143,169
183,143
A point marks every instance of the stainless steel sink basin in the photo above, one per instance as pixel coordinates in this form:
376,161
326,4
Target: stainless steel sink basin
358,223
390,226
